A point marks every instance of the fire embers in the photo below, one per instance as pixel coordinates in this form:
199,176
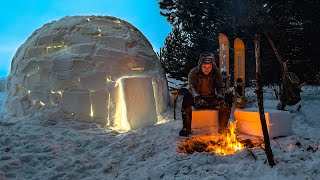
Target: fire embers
219,144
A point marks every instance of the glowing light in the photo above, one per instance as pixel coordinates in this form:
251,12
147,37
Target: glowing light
109,80
29,92
108,116
99,31
91,108
55,47
42,104
60,92
155,95
121,110
137,69
91,111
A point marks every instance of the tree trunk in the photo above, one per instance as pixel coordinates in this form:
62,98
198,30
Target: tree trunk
259,92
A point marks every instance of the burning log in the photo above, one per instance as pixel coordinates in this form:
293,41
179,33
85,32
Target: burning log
216,144
222,145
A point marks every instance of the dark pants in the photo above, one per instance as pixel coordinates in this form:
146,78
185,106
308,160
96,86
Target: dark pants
186,111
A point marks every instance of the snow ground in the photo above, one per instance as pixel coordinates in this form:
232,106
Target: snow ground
31,148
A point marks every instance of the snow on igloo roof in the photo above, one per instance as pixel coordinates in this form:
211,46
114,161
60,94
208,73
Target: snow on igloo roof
84,57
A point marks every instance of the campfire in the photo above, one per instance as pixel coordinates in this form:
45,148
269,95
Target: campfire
219,144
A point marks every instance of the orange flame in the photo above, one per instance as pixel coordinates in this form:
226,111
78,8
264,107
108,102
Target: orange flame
226,144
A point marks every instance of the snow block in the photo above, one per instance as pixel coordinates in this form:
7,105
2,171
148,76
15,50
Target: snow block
36,52
114,42
29,68
100,100
77,39
61,65
110,54
94,80
90,29
81,65
52,39
139,100
279,123
205,118
82,48
77,102
64,81
161,100
39,95
37,81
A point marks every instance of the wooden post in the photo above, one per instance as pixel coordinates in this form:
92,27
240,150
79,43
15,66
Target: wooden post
259,92
175,101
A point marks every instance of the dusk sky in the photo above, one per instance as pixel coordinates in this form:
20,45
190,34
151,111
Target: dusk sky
20,18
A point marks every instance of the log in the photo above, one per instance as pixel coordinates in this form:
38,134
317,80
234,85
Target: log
259,92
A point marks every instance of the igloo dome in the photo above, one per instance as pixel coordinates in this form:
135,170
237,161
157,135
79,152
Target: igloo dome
88,68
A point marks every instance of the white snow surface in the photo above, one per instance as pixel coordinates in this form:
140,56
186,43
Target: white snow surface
59,149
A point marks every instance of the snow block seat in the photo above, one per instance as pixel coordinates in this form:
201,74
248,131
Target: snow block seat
205,119
279,123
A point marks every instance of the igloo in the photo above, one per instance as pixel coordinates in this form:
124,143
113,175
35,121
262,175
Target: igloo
2,84
88,68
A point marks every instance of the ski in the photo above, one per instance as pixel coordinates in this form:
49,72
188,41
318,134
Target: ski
224,109
224,65
239,74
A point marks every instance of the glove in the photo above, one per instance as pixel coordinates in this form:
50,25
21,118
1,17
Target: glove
200,103
220,97
229,99
220,100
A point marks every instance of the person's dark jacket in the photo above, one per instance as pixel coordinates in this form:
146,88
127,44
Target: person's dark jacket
210,85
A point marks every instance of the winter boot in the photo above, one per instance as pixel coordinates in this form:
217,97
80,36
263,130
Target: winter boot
186,120
224,115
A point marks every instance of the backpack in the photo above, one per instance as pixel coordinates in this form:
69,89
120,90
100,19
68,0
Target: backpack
290,89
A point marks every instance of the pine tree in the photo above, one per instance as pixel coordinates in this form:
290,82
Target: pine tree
173,54
293,26
202,22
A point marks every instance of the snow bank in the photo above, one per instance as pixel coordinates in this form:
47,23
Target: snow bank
60,149
72,68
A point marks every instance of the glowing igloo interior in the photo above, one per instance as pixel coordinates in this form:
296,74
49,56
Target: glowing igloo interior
88,68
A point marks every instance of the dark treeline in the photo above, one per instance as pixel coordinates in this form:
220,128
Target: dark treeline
293,26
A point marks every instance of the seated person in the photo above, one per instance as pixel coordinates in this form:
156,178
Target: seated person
206,91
